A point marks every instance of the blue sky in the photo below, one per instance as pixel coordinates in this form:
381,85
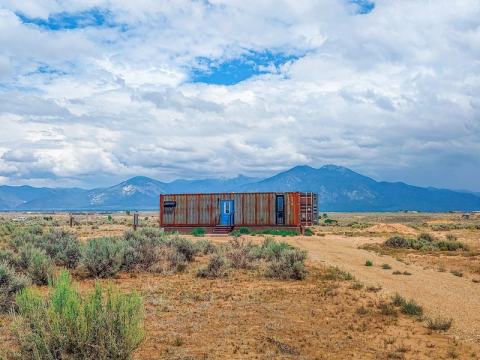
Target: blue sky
232,71
94,92
69,20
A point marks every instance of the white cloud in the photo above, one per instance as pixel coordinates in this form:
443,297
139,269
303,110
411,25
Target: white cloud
393,93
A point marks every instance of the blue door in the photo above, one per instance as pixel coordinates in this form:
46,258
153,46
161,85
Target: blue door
226,212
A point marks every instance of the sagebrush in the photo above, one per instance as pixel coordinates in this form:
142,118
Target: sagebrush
104,324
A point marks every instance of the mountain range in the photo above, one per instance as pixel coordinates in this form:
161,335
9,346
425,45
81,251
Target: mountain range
339,189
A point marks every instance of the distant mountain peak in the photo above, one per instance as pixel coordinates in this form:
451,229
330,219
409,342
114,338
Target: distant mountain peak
302,168
139,180
339,189
331,167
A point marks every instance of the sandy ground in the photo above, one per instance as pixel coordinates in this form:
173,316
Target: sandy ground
441,294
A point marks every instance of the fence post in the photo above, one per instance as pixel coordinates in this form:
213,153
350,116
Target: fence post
135,221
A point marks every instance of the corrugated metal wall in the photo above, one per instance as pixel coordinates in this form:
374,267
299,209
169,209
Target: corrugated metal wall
308,208
250,209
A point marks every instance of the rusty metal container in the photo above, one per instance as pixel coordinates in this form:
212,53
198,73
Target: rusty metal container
290,209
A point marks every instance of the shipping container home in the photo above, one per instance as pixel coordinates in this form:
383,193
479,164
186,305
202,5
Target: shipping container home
222,212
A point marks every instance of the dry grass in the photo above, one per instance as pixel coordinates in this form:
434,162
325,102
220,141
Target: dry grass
246,316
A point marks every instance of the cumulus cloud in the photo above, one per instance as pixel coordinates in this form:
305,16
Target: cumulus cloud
392,93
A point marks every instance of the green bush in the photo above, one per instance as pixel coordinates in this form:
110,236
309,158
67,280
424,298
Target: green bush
290,265
308,232
398,300
278,232
439,324
6,229
184,247
368,263
411,308
7,256
330,222
62,247
199,232
426,237
10,284
425,242
140,249
235,233
451,237
335,273
66,325
397,242
271,249
217,267
244,230
103,257
152,233
240,254
204,246
35,263
25,235
451,246
386,267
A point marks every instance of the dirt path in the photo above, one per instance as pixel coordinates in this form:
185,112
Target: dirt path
441,294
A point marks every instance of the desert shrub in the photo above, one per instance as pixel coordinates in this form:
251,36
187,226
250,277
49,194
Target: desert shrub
7,256
290,265
357,285
451,237
217,267
330,222
244,230
398,300
308,232
149,232
279,232
368,263
6,229
424,242
62,247
456,273
335,273
373,288
439,324
103,257
426,237
397,242
411,308
204,246
66,325
26,235
35,263
170,260
387,309
451,246
140,251
386,267
10,284
240,254
236,233
199,232
362,310
184,247
271,249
